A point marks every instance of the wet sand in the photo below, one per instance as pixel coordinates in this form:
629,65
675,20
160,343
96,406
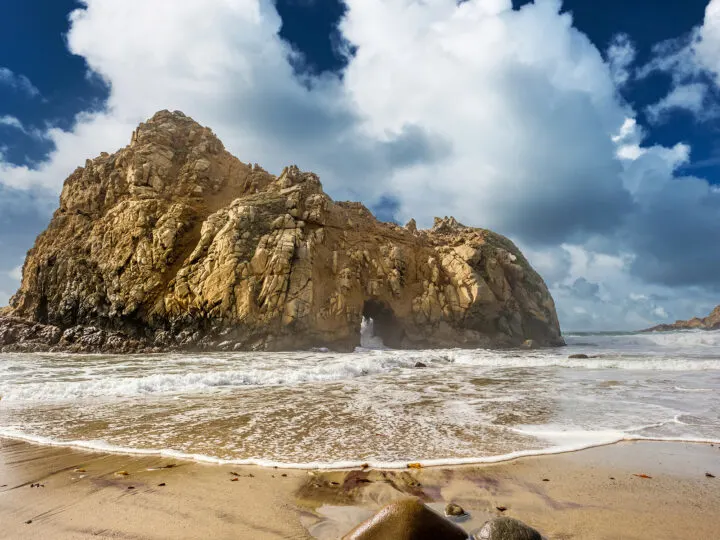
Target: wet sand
593,494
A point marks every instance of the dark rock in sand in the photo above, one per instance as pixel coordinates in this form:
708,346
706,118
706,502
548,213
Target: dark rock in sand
420,365
454,510
408,519
578,357
505,528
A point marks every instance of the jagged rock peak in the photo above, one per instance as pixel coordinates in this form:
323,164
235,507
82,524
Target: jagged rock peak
174,243
174,130
447,225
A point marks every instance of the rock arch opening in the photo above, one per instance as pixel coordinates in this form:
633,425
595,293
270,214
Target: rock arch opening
382,324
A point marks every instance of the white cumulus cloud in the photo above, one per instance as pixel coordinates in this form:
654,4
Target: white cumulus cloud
689,97
18,82
11,121
693,62
621,54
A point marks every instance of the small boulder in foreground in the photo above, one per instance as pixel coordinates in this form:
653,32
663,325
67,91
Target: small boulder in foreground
505,528
407,519
454,510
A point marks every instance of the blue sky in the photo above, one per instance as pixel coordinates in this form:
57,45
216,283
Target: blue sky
585,131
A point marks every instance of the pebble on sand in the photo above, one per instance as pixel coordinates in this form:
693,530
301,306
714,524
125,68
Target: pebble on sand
454,510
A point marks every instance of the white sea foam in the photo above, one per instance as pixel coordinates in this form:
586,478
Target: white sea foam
681,389
183,374
368,339
326,410
578,442
315,370
605,361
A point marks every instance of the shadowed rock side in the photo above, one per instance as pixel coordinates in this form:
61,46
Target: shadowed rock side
174,243
711,322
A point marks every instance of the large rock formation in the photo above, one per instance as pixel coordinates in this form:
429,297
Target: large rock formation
174,243
711,322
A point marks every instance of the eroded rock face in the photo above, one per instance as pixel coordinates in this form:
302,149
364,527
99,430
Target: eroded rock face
711,322
174,243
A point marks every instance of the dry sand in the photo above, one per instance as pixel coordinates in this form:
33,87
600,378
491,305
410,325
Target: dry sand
593,494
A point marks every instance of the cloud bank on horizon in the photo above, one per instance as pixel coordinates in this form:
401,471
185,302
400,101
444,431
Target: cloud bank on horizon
506,119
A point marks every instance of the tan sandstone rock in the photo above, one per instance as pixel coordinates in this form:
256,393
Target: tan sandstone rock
174,243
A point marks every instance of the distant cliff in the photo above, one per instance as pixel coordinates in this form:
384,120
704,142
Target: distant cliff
711,322
173,243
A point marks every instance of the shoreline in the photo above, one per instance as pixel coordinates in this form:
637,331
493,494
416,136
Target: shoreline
105,448
588,494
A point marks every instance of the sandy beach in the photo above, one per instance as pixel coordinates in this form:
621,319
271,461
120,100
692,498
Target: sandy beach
592,494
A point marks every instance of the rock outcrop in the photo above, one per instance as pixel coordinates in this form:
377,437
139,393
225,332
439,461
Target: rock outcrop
711,322
173,243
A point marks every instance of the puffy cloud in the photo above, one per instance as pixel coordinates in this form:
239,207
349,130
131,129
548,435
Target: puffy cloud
707,44
693,62
675,231
223,63
621,54
613,298
23,215
628,140
12,122
526,102
16,273
4,298
673,223
582,288
12,280
18,82
690,97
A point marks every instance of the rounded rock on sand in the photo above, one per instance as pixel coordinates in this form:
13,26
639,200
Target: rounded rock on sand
505,528
454,510
407,519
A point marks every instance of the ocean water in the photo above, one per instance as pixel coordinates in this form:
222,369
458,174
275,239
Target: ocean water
322,409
